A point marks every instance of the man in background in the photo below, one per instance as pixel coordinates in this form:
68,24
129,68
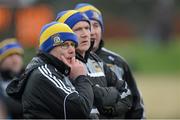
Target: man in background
11,66
113,60
112,97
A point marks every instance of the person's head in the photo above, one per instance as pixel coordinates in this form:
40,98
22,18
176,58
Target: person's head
95,17
80,24
11,56
58,40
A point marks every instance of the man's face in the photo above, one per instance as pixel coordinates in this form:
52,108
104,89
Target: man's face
13,63
96,34
82,30
66,49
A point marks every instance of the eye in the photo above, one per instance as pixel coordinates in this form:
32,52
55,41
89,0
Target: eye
73,45
67,45
64,45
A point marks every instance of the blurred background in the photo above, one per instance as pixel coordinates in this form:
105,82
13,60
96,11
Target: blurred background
145,32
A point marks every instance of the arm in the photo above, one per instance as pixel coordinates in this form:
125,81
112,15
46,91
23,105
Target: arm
137,110
117,92
48,97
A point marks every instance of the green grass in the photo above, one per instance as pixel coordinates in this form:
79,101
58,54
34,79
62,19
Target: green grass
148,57
142,57
29,53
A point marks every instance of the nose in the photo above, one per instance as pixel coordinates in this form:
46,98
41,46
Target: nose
92,31
86,32
71,50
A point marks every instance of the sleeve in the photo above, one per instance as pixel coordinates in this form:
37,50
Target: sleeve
46,96
120,92
137,110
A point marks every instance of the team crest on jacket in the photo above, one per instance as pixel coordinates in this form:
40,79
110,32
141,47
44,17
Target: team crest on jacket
96,67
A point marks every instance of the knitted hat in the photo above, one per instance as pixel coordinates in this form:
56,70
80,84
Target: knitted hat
92,12
10,46
71,17
54,34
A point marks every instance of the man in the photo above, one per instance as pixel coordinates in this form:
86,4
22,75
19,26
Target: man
11,66
3,111
112,96
11,60
55,84
114,61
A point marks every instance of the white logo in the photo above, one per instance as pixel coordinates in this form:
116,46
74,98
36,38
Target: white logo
95,15
57,40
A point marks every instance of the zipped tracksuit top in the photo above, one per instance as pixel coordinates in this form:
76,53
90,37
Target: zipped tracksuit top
122,70
46,91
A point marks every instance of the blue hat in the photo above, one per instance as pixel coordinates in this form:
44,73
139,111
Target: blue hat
10,46
55,33
71,17
91,11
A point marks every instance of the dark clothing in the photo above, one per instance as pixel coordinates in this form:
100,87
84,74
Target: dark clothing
123,72
14,107
47,92
112,97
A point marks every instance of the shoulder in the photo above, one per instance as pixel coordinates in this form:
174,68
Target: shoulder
48,71
95,57
42,72
112,55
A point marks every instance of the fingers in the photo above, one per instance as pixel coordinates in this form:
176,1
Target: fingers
65,61
73,60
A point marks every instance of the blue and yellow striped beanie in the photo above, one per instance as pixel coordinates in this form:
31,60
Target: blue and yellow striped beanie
54,34
8,47
91,11
71,17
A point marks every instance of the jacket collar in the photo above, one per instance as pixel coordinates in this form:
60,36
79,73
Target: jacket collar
80,57
59,65
101,44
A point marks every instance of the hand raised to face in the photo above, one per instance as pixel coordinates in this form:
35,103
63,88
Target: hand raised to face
77,67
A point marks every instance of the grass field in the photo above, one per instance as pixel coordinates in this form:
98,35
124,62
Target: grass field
148,57
157,71
160,94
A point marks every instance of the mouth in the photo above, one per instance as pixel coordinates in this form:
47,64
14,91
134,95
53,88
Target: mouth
84,42
93,39
69,59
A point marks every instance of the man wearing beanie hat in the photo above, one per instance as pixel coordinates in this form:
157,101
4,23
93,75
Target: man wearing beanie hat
114,61
11,61
53,85
11,66
111,96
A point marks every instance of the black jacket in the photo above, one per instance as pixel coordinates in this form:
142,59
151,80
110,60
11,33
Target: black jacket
123,72
46,91
14,108
112,96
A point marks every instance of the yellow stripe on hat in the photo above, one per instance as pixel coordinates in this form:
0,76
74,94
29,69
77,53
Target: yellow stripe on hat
7,41
69,13
19,51
86,8
56,28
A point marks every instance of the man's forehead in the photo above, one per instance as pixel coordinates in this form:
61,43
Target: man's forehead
81,24
94,22
68,41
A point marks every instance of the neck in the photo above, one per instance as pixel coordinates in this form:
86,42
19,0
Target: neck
58,64
81,53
